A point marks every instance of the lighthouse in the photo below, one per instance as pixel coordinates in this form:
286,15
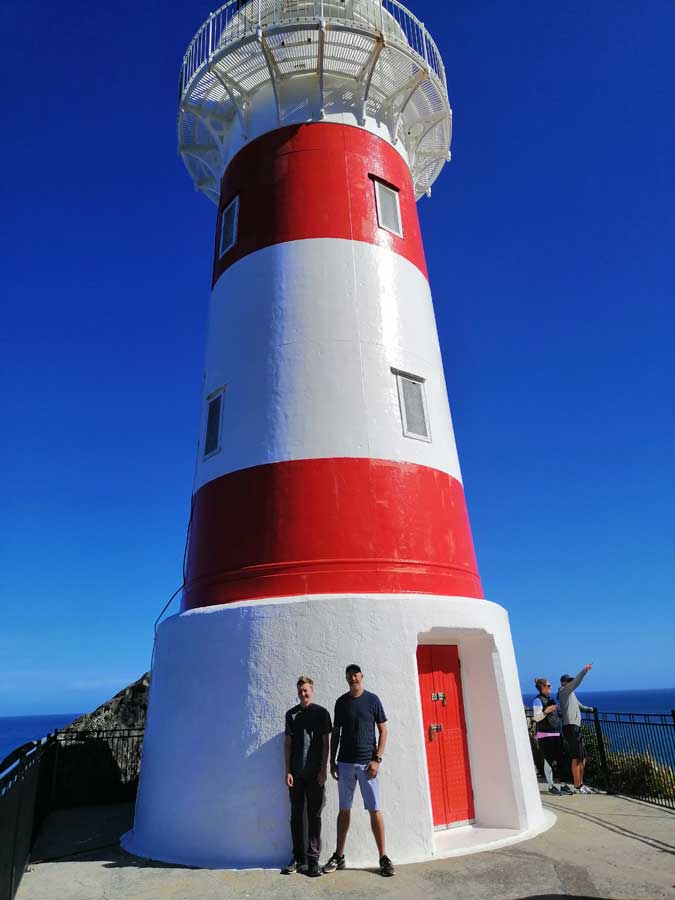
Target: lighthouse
328,521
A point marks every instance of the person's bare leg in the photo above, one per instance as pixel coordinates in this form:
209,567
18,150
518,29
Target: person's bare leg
377,824
577,773
343,820
583,769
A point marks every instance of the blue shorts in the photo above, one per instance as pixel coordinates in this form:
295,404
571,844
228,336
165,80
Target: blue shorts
348,775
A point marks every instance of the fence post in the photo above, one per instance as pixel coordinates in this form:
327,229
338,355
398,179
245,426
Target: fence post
55,759
12,857
601,750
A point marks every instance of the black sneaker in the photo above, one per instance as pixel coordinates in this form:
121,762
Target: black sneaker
313,868
565,789
335,862
386,867
554,790
292,867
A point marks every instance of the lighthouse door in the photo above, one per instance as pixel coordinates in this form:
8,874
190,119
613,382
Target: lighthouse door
445,735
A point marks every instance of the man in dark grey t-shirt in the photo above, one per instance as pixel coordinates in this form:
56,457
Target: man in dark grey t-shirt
358,714
307,729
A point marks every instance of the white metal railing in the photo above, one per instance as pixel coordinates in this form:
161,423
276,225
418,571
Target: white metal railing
238,18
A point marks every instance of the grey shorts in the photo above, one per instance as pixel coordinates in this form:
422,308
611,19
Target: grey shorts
348,775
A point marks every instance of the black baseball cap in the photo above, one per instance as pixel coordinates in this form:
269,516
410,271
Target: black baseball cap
353,669
565,678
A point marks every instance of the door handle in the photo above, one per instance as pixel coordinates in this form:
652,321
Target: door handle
433,729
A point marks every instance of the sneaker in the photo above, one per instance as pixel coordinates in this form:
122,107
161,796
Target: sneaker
335,862
554,790
313,868
585,790
566,789
386,867
292,867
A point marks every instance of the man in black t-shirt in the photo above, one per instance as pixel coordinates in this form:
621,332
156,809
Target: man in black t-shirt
357,714
306,752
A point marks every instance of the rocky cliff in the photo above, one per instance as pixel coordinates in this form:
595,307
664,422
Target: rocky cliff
127,709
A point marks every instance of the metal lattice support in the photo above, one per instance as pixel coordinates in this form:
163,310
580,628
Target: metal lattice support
371,57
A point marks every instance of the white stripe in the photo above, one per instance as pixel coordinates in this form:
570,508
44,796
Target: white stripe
305,334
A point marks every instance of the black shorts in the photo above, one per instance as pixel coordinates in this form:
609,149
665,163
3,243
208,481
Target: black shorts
551,747
574,741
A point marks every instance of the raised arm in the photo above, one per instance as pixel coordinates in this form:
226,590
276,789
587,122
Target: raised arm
572,685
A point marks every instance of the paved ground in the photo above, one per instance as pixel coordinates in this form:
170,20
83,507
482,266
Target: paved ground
601,846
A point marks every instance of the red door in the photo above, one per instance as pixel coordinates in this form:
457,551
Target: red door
445,734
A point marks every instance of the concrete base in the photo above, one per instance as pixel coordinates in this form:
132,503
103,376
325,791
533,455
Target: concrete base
474,839
212,789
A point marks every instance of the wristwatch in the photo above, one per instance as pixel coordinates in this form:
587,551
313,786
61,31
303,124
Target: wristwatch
377,759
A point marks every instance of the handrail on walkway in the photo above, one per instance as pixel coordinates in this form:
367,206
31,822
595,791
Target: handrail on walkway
632,754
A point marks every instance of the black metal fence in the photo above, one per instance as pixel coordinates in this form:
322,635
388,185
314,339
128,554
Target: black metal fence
65,769
628,753
96,767
23,790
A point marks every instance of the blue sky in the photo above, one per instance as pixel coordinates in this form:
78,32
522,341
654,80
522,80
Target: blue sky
549,240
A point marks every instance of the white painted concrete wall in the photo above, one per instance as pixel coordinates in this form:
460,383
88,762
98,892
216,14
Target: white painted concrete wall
212,789
305,334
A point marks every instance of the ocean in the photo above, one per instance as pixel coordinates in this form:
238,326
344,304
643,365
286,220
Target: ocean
659,700
16,730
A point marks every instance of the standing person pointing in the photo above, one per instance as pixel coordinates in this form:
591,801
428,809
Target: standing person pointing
357,714
570,711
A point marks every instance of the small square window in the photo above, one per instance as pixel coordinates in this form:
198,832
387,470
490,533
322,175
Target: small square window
413,404
228,226
212,437
388,208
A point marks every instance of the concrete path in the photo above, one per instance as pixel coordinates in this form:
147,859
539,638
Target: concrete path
601,846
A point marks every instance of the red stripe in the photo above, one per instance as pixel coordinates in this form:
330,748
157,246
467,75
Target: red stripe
315,181
316,526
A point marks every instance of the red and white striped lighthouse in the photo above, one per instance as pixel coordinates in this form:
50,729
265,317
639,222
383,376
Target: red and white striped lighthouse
328,462
328,521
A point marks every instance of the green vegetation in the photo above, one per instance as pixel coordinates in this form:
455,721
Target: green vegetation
640,775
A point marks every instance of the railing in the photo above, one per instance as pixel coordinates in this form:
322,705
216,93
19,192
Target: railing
72,768
628,753
24,789
237,19
96,767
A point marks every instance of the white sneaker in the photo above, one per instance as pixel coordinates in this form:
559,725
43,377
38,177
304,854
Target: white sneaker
585,790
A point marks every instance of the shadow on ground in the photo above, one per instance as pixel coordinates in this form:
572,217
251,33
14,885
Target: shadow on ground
654,843
90,834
